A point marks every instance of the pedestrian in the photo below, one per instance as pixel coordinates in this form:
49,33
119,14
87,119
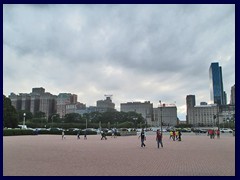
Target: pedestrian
113,135
159,138
63,135
173,136
210,133
176,135
218,133
78,135
179,136
143,138
213,133
85,134
103,135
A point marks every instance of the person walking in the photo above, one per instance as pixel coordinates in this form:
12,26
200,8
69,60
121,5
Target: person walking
63,135
113,135
85,135
143,138
78,135
159,138
174,134
103,135
218,133
171,135
179,136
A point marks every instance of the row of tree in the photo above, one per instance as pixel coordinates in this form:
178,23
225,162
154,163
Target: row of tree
12,117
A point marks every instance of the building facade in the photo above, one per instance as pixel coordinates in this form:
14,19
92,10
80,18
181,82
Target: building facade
64,99
105,105
145,109
167,114
203,115
75,107
37,100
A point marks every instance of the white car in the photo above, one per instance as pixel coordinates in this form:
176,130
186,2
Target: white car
226,130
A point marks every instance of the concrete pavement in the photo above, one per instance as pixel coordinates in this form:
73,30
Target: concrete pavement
49,155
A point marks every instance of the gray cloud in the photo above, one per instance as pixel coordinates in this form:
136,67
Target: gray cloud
135,52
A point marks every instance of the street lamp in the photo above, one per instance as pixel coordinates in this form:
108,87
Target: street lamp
161,115
24,114
52,119
86,124
135,121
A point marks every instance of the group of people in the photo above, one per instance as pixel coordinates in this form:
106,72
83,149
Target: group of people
85,135
212,133
175,135
78,135
158,138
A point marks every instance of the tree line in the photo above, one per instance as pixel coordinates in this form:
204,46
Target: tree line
11,117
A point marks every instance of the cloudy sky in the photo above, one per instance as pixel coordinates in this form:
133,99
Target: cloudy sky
134,52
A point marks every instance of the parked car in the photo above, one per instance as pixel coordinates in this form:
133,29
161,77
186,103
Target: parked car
226,130
200,130
186,130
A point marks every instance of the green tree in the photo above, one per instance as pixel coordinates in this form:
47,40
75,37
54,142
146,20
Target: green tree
39,114
72,117
10,116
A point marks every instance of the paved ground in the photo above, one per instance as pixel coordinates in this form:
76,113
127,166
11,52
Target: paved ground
49,155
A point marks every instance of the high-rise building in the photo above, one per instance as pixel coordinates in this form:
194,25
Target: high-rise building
232,98
64,99
105,105
47,104
190,102
37,100
216,84
224,98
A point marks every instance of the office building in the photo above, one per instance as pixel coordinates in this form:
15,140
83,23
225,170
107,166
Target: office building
190,103
232,98
145,109
167,114
105,105
216,84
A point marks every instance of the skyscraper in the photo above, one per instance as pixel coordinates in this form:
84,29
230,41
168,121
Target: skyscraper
191,102
232,98
216,84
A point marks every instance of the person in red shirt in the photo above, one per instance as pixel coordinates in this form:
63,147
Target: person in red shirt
159,138
218,133
174,135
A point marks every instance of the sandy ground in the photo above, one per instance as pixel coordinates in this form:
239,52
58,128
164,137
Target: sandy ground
49,155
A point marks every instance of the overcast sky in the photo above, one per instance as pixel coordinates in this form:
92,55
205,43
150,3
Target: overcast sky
134,52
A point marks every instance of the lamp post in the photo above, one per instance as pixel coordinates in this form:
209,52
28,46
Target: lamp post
161,115
100,125
135,121
24,115
52,119
86,124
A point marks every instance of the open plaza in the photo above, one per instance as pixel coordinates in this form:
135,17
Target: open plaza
49,155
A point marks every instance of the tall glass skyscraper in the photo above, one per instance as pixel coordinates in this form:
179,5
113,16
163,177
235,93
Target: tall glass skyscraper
216,84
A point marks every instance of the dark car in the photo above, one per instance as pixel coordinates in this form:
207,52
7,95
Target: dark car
200,130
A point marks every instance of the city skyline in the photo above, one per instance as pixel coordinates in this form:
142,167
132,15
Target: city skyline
134,52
